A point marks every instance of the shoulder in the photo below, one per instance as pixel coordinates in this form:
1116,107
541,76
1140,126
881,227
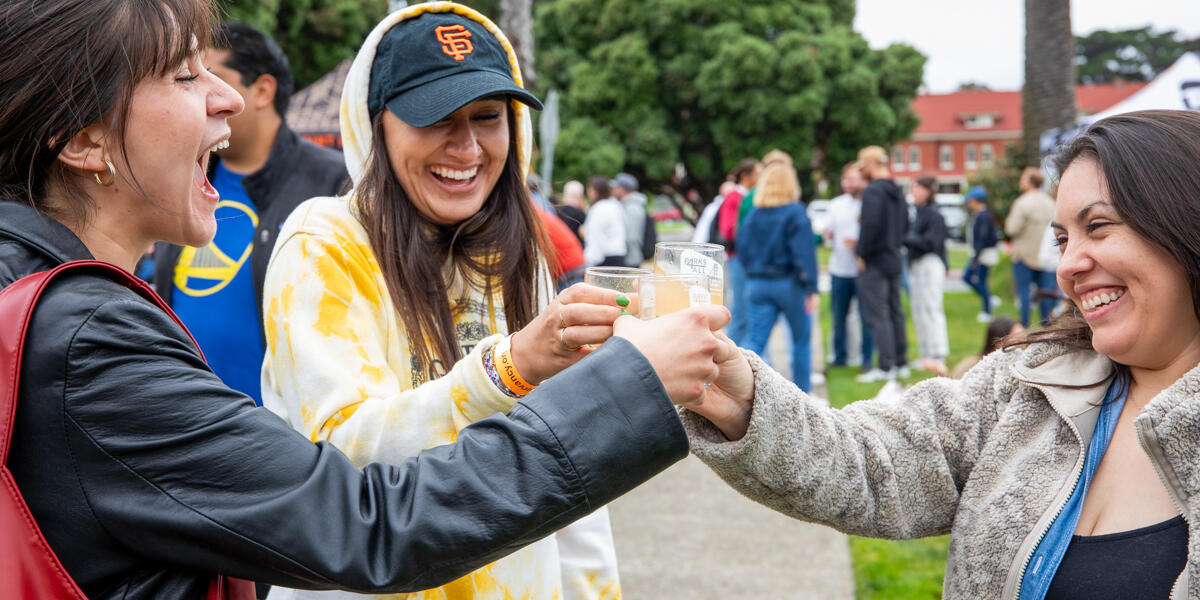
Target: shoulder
327,222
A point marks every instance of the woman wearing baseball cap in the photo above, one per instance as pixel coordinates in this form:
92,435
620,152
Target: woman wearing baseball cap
388,310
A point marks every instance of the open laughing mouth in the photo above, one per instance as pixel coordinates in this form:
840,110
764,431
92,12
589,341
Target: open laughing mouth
1095,302
455,177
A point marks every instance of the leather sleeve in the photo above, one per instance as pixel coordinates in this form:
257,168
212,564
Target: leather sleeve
182,469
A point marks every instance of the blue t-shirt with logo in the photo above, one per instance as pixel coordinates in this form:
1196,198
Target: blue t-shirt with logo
214,290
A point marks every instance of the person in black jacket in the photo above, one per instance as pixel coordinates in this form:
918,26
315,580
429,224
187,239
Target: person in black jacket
982,237
926,243
147,474
265,171
884,225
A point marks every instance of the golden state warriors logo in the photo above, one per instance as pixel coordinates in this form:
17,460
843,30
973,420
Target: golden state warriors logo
206,271
456,41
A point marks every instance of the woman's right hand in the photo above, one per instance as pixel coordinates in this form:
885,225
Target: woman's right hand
682,348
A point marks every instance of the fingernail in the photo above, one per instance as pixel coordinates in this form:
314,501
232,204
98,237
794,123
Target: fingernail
625,312
623,301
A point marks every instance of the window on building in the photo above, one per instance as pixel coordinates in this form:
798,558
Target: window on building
914,158
983,121
971,160
989,156
946,157
897,158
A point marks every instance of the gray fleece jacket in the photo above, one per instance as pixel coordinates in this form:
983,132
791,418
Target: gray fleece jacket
990,459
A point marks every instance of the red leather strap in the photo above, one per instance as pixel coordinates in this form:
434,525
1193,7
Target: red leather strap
36,573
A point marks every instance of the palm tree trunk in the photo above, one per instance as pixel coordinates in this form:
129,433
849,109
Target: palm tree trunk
516,20
1048,98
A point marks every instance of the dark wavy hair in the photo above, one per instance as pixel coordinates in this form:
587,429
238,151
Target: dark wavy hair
498,246
67,64
1149,163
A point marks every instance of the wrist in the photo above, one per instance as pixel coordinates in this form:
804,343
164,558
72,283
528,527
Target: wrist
506,374
523,363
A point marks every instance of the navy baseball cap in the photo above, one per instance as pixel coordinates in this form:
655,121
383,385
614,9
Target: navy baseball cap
429,66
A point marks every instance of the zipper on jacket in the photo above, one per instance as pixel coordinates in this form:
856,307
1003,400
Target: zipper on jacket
1154,453
1015,592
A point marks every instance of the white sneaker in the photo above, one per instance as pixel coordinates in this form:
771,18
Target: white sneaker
816,379
903,372
872,376
995,302
983,318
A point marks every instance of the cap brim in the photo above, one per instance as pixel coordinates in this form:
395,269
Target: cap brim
429,103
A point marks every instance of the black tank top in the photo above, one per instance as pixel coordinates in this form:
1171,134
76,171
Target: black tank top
1140,563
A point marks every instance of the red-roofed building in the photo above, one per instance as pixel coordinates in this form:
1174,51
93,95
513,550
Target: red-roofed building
966,131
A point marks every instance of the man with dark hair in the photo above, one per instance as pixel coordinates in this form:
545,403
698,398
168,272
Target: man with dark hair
262,174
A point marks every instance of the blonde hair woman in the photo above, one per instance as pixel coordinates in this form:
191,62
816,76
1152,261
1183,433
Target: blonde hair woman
778,251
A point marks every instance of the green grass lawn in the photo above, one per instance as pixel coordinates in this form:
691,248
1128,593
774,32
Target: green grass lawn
913,569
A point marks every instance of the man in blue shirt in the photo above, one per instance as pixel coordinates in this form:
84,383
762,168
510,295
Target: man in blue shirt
263,174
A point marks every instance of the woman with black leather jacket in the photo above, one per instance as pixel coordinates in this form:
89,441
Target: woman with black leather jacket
144,472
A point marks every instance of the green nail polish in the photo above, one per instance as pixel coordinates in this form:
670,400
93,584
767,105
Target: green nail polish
625,312
622,300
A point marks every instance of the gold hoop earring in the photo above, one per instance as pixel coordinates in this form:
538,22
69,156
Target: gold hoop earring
112,174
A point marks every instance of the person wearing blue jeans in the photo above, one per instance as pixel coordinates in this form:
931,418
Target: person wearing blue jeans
976,276
842,291
777,250
981,236
1025,279
767,299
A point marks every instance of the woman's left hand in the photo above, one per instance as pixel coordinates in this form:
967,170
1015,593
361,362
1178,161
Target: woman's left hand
728,401
559,336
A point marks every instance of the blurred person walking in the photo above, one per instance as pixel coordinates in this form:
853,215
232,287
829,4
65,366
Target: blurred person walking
776,246
1025,227
884,226
708,217
745,174
845,212
572,208
982,238
926,243
604,228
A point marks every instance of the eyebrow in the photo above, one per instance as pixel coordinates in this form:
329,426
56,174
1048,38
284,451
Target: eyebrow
1083,213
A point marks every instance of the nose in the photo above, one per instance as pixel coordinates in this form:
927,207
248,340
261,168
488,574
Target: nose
464,142
1073,262
223,100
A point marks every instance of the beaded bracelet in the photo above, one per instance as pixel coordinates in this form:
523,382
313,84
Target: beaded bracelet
507,369
489,367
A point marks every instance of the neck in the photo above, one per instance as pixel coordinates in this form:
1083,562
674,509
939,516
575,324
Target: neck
1149,382
253,154
109,248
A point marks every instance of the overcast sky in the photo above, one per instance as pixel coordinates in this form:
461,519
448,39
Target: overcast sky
973,40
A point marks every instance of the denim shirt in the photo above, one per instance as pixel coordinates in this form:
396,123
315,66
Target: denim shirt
1050,551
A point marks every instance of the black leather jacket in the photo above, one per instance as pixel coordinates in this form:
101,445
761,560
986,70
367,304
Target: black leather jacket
146,474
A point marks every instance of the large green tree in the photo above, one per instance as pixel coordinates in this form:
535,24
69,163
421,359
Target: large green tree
648,86
1131,54
316,35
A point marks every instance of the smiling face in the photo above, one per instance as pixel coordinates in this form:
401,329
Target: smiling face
174,122
1133,294
449,169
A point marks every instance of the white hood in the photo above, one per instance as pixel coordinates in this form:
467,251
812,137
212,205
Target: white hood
356,119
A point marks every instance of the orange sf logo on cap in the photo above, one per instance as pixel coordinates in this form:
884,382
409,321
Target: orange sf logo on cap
456,41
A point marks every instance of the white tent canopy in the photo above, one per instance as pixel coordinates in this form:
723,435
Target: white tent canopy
1178,87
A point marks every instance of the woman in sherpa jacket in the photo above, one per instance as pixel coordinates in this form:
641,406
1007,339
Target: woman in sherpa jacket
388,310
1065,467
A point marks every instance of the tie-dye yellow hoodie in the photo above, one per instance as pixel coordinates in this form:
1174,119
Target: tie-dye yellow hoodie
338,365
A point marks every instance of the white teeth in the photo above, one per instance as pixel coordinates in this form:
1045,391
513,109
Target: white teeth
221,145
1101,299
455,174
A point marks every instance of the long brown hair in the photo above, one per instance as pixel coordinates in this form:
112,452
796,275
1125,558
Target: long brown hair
66,64
498,246
1148,160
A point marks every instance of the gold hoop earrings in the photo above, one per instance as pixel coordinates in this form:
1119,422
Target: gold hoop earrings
112,174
